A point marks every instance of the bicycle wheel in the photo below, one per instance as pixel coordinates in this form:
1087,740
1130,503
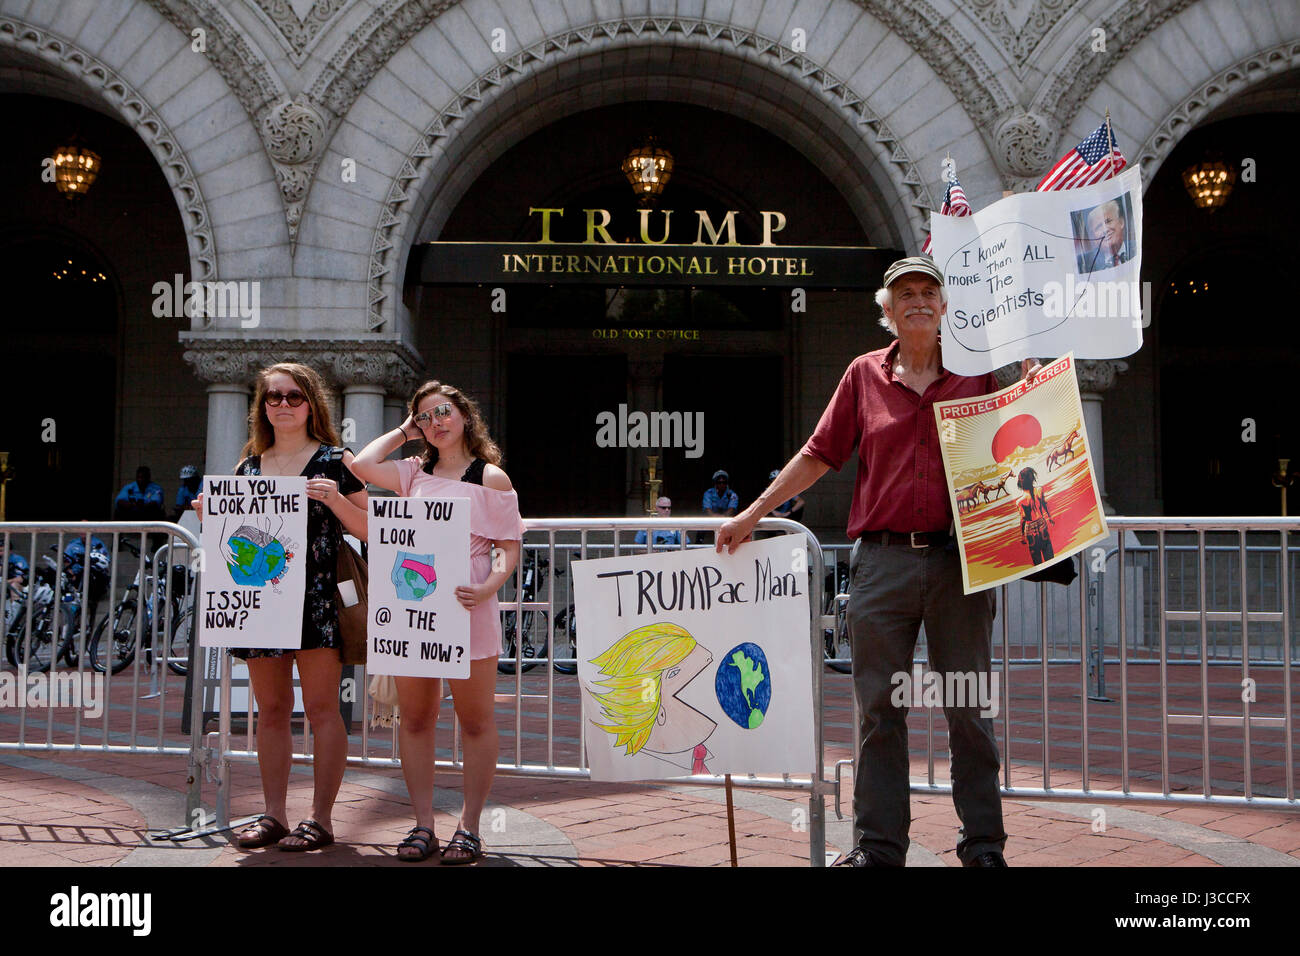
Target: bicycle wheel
839,655
566,643
36,657
119,648
178,654
68,647
506,662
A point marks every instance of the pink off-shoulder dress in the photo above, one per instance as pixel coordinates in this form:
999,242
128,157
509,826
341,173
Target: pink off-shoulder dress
493,516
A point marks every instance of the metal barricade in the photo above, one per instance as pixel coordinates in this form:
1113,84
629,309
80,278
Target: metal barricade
1114,746
99,647
561,539
1157,644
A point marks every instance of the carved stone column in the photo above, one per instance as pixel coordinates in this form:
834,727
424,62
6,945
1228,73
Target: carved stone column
1095,377
227,426
364,370
366,377
363,414
394,411
230,386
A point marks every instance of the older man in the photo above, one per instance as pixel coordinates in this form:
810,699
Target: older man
663,509
1107,228
905,569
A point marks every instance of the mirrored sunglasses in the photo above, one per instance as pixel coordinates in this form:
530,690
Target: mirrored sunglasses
440,412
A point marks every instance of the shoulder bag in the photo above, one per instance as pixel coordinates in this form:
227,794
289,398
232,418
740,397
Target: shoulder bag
351,601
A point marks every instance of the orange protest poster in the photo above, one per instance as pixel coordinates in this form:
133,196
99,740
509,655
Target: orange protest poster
1020,477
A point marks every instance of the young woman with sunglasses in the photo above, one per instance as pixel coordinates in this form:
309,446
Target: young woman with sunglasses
459,460
291,434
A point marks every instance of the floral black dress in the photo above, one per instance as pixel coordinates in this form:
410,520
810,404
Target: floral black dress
320,618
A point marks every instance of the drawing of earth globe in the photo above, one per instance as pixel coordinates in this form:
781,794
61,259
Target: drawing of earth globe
256,557
744,685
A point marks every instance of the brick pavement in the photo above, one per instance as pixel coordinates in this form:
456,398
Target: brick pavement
102,809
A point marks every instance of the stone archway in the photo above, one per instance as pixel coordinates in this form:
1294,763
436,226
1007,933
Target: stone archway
24,44
795,98
1210,98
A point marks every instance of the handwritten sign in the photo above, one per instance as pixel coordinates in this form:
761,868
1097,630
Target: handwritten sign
1043,274
691,662
419,555
254,538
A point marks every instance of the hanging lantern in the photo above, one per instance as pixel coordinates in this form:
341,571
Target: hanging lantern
75,169
1209,183
648,169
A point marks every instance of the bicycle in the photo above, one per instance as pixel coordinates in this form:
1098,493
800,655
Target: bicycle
566,634
838,649
566,641
36,652
122,644
17,596
531,655
535,626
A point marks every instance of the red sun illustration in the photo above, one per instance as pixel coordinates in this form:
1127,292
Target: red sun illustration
1023,431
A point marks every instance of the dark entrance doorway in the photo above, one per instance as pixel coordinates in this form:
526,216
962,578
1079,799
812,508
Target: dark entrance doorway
59,423
742,401
1221,446
546,278
1227,346
552,404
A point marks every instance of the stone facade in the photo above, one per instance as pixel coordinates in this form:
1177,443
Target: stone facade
308,145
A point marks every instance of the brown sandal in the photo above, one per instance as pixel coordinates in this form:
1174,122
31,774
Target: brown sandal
262,832
464,842
424,847
313,836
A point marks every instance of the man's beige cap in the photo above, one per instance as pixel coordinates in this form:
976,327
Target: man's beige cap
922,264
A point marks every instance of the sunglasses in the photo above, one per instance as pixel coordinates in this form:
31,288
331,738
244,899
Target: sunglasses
274,398
440,412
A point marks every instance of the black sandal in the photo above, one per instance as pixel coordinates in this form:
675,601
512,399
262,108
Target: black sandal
466,842
313,835
425,846
262,832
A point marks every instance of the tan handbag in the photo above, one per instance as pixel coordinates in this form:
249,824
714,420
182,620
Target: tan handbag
383,691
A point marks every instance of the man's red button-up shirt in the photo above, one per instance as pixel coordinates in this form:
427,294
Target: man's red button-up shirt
900,485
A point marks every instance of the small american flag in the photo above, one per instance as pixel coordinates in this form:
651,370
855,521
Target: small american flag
1089,162
954,204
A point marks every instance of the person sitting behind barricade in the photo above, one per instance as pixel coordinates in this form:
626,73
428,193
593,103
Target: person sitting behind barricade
190,482
140,500
791,508
720,500
663,509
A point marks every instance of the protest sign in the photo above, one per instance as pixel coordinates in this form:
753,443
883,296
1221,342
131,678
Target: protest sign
1044,273
1020,477
696,662
252,597
419,555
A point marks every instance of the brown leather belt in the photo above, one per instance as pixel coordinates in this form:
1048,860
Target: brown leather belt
914,539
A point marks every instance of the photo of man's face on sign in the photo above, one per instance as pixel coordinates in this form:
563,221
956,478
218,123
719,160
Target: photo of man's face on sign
1102,236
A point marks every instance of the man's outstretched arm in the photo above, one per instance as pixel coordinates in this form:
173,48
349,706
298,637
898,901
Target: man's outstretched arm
799,474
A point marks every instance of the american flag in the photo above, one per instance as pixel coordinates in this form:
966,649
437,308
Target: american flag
1089,162
954,204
